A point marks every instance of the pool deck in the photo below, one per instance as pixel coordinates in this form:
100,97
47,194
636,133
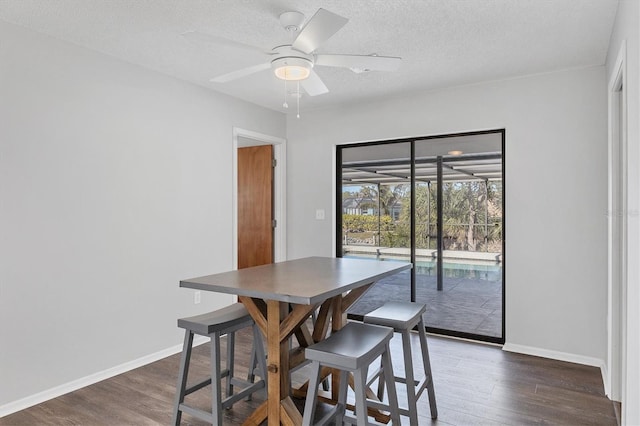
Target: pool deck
467,303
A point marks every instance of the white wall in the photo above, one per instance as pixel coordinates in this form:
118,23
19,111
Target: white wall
115,183
626,29
556,183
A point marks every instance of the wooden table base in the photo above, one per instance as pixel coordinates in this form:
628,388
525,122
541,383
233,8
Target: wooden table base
278,321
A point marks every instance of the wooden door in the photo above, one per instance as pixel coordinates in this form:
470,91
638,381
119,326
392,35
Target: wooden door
255,206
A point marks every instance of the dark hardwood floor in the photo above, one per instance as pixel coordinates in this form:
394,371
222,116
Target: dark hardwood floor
475,385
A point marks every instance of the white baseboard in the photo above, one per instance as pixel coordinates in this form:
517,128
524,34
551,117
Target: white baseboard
562,356
606,380
57,391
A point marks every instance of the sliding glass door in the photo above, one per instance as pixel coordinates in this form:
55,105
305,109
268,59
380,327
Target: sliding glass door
374,201
437,202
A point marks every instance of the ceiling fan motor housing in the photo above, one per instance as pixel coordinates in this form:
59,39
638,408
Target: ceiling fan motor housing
291,21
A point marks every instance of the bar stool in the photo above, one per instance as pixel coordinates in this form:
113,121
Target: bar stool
351,350
403,317
214,324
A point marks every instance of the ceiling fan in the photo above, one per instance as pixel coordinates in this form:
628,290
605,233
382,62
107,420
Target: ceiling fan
296,61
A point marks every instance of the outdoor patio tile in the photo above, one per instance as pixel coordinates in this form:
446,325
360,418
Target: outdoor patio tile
465,305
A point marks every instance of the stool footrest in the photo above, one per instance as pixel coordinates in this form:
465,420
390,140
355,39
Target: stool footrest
242,383
197,386
378,405
202,415
229,401
403,380
206,382
375,376
420,387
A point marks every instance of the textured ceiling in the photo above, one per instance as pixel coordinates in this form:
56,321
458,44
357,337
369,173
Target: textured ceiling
443,43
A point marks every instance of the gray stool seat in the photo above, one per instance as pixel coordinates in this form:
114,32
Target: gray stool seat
403,317
397,315
352,349
225,321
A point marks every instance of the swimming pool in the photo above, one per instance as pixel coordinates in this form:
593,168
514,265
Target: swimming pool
479,270
489,272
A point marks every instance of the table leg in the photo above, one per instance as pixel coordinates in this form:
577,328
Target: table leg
278,356
338,319
278,324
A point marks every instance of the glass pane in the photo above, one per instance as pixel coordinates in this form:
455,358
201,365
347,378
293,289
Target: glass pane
376,208
468,296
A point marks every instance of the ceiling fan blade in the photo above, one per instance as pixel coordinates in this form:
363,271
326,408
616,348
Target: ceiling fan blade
360,63
313,85
319,29
205,38
234,75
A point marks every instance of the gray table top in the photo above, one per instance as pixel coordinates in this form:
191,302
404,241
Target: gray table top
306,281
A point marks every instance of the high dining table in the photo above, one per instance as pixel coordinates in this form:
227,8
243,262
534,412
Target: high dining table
280,297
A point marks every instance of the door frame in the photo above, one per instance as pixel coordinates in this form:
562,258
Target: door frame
279,189
617,283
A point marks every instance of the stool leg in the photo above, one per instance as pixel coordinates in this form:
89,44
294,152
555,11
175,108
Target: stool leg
409,376
312,392
254,360
342,396
314,317
216,397
183,372
251,377
231,351
258,357
391,387
260,353
380,393
427,369
360,386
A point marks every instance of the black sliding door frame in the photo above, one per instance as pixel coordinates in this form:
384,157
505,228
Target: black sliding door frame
439,205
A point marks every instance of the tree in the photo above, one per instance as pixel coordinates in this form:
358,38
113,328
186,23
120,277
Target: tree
467,206
389,196
472,215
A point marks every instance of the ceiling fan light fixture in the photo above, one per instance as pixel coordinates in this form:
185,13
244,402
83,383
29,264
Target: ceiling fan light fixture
292,69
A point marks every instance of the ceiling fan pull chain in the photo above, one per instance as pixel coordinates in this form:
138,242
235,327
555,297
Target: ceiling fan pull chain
285,104
298,99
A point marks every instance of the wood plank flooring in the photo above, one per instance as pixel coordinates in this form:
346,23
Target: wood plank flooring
475,385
